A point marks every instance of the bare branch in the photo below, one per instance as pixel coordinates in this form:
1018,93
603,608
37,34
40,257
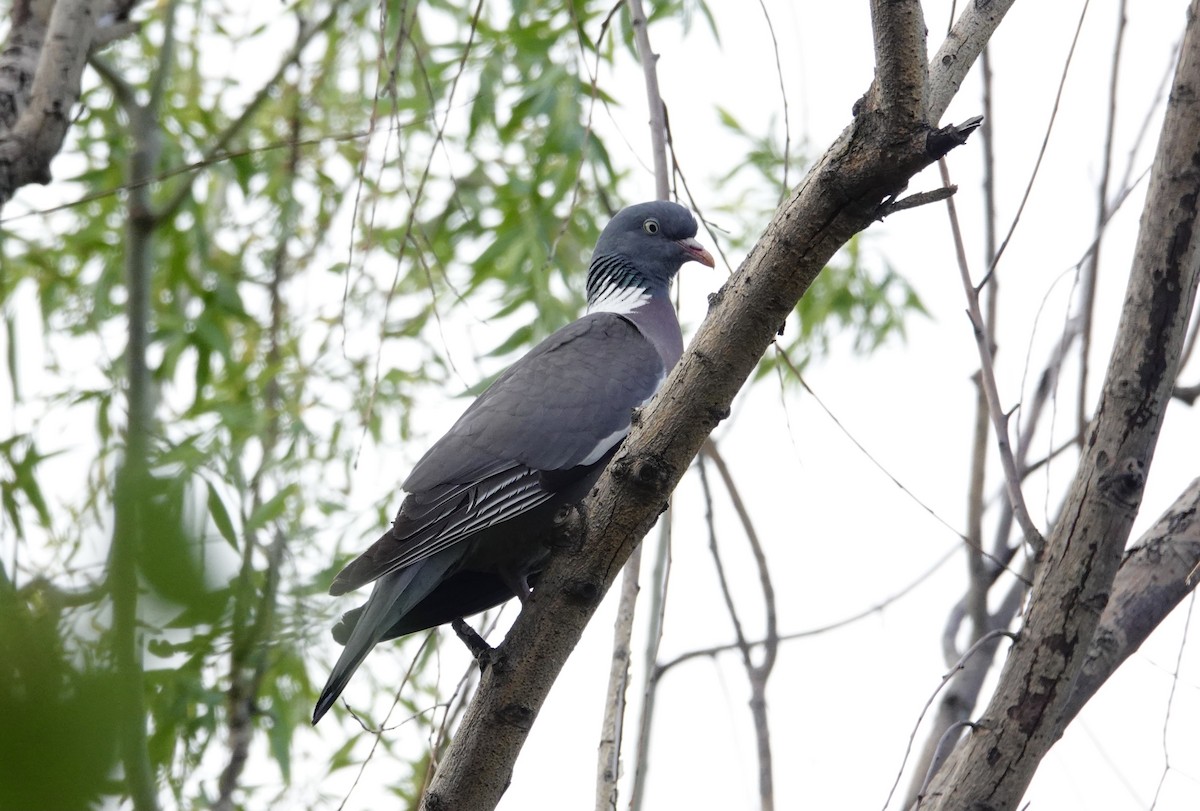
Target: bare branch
960,697
1187,394
987,376
1037,164
958,53
1091,268
1154,578
871,161
923,198
987,639
756,549
900,71
784,185
658,121
994,765
658,601
756,674
608,760
662,669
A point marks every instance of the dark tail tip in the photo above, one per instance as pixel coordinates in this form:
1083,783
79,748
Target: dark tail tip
328,697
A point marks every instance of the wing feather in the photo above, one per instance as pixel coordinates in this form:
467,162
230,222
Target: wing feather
564,405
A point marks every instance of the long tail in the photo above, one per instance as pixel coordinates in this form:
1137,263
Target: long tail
394,595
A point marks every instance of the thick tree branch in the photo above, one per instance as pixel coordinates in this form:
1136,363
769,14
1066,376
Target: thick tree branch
1026,716
39,126
900,73
872,161
1155,576
19,61
958,53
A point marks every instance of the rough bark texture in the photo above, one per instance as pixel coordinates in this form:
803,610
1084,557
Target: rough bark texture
963,45
40,68
993,767
872,161
1154,577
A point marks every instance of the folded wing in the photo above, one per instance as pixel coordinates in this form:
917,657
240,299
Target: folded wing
561,407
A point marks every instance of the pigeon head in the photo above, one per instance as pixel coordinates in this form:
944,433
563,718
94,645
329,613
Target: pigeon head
641,250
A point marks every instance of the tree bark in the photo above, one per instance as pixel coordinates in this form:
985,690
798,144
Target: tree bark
993,766
1154,577
871,162
40,69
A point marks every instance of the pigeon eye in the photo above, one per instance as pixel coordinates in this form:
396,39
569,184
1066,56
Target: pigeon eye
650,226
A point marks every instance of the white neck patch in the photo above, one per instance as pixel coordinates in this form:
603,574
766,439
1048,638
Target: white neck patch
619,300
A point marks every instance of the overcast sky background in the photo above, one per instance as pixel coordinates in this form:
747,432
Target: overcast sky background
839,535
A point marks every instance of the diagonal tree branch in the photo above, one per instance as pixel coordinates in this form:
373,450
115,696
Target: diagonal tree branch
1026,716
1155,576
987,381
870,162
963,45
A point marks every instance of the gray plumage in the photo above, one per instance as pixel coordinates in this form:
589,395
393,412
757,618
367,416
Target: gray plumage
470,532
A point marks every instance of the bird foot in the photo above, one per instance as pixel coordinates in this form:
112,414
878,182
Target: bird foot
480,649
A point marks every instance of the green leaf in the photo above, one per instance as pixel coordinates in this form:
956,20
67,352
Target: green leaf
270,509
220,516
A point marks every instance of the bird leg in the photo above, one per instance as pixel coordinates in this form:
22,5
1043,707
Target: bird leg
480,649
518,584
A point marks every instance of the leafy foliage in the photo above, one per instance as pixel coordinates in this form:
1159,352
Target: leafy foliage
853,302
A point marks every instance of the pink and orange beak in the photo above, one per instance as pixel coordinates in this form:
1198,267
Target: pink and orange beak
697,252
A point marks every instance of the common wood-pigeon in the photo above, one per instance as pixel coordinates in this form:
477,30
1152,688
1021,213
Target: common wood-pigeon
472,527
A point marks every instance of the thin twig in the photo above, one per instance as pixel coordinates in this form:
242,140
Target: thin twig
995,260
878,607
784,186
658,123
951,673
988,378
410,224
608,761
1166,748
383,726
757,684
1091,270
658,604
757,674
782,353
608,765
221,144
